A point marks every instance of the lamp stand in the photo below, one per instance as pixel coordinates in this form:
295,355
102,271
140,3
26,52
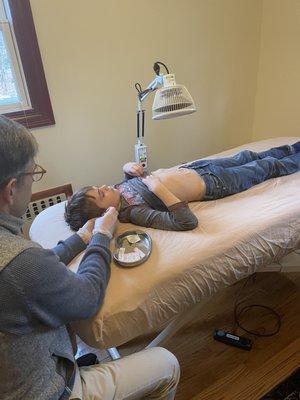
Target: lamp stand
140,149
171,101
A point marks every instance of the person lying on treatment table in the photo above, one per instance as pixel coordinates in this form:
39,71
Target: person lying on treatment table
160,200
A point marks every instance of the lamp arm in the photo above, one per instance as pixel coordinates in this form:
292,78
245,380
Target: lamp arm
157,81
141,155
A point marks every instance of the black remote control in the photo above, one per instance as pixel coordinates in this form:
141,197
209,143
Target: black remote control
233,340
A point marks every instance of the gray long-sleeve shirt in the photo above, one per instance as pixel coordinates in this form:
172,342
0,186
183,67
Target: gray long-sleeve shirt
36,287
142,207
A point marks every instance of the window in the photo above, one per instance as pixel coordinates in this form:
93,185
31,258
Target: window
23,89
13,88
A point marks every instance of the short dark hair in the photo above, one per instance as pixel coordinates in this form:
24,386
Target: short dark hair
80,208
17,148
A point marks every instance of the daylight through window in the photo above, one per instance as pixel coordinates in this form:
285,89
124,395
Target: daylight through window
13,90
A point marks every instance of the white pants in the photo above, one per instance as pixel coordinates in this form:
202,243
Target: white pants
149,374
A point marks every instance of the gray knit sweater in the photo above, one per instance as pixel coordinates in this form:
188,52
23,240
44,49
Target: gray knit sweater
39,296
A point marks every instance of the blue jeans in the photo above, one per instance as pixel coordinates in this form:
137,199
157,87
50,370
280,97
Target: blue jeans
226,176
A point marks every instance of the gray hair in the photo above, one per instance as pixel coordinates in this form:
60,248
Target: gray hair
17,148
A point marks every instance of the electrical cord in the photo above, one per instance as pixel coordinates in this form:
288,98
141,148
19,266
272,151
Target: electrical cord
138,87
157,68
140,91
240,311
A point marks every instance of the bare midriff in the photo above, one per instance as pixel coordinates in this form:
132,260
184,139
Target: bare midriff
184,183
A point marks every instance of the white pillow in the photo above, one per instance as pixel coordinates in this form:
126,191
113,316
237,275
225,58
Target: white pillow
50,226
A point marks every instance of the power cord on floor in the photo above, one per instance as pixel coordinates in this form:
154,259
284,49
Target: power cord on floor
240,311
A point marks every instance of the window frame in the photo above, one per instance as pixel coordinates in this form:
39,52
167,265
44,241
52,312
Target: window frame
41,113
23,101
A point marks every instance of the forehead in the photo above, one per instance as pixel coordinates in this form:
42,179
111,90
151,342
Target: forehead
93,192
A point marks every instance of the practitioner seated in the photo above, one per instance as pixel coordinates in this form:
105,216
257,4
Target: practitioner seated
160,200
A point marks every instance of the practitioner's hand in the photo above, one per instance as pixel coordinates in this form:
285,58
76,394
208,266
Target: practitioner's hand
86,231
133,169
107,223
153,183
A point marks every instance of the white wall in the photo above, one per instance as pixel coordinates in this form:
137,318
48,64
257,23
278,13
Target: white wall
93,53
277,106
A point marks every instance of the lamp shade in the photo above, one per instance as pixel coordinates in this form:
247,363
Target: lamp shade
172,100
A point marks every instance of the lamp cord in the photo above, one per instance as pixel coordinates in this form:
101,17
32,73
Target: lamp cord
140,91
138,87
157,68
240,311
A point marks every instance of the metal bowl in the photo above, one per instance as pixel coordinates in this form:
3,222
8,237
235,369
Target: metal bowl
132,248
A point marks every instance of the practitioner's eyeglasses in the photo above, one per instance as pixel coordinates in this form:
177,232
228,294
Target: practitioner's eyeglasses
37,173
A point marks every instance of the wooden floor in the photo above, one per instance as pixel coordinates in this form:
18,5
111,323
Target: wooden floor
213,371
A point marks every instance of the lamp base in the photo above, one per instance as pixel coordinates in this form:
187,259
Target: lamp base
141,154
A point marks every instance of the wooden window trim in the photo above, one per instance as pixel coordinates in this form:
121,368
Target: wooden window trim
41,113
